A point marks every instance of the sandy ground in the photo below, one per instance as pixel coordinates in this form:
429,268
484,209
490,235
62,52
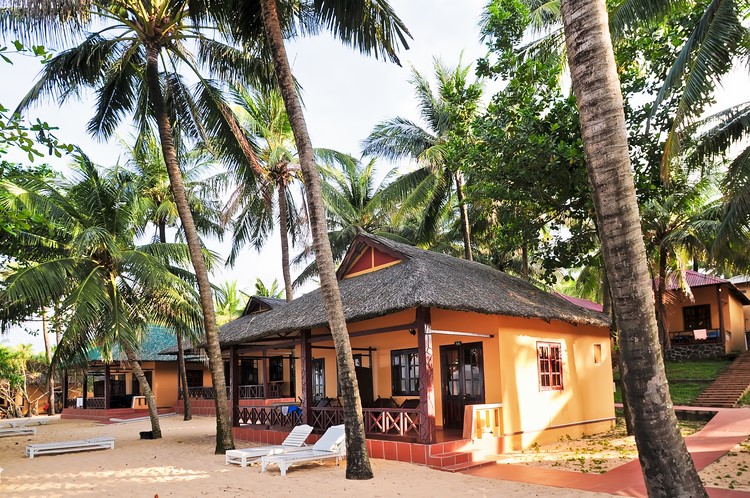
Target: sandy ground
732,471
183,464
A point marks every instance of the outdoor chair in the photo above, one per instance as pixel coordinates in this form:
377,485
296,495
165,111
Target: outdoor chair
410,404
295,441
330,446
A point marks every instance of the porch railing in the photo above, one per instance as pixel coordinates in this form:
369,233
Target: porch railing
96,403
198,393
688,337
401,422
268,415
252,391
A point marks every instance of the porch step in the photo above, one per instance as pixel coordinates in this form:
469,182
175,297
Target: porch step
728,387
460,467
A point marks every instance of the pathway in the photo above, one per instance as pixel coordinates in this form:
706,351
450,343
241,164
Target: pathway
729,427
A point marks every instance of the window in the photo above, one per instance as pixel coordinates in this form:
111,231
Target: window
405,372
597,353
549,358
697,317
194,378
319,378
249,372
276,369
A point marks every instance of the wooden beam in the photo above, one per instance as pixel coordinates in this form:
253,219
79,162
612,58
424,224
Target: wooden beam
85,387
107,388
362,333
306,368
426,377
353,349
234,382
721,314
467,334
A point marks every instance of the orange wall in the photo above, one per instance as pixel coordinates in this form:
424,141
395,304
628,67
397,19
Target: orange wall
510,369
702,295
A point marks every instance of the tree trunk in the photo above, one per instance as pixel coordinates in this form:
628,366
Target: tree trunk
284,229
667,467
464,210
525,261
661,288
224,439
357,460
162,231
183,376
147,392
50,371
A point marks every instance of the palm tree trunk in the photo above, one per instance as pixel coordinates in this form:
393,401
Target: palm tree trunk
162,231
183,376
224,439
147,392
284,229
50,372
667,467
464,209
357,460
661,289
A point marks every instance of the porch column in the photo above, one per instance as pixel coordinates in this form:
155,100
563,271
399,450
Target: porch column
66,389
721,314
266,393
85,386
426,383
234,382
306,368
107,387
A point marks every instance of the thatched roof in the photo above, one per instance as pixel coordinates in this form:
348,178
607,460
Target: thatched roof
421,279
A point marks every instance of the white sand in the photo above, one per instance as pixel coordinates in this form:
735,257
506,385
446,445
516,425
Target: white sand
183,464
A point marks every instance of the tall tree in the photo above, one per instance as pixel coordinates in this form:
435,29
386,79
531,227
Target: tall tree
121,62
667,467
372,27
448,112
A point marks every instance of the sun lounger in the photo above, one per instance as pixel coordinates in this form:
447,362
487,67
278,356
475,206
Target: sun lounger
19,422
294,442
94,443
17,431
330,446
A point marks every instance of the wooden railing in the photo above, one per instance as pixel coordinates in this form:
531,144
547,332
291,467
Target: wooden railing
95,403
401,422
198,393
687,338
268,415
252,391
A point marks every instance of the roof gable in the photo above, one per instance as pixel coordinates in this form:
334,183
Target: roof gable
260,304
366,255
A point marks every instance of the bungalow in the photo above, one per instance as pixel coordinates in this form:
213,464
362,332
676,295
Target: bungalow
111,384
445,349
709,324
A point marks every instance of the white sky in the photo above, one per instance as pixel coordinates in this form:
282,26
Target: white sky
345,95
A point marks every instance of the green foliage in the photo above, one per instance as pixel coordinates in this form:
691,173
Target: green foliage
13,366
274,291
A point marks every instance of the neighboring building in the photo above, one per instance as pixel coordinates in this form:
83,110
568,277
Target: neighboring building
113,385
445,349
712,323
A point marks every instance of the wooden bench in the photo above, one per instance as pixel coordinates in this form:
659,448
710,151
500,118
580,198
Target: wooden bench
17,431
94,443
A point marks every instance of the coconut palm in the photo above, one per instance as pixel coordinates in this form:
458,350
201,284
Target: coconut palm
261,289
229,302
667,467
109,289
256,203
447,112
133,63
370,26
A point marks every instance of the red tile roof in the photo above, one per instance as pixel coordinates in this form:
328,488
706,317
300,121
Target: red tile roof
695,279
583,303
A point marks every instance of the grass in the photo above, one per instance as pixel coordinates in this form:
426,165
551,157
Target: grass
684,393
744,401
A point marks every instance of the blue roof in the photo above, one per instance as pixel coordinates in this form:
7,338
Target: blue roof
155,339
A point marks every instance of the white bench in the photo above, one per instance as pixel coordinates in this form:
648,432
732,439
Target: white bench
17,431
94,443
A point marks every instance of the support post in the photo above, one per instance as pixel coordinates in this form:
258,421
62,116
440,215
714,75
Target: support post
66,389
721,315
426,381
234,382
107,387
85,387
264,367
307,375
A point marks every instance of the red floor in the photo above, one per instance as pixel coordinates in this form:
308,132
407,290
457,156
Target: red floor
729,427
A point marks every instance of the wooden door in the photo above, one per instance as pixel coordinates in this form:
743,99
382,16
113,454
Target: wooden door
462,381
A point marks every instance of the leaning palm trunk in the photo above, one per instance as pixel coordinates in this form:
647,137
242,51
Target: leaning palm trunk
224,439
284,229
147,392
183,376
465,227
357,461
667,467
51,372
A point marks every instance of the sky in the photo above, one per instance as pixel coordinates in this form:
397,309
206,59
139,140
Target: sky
345,95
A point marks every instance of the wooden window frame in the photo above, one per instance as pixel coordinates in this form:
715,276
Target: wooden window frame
276,369
549,366
693,310
408,354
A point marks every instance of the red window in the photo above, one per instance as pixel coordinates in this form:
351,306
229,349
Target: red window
549,359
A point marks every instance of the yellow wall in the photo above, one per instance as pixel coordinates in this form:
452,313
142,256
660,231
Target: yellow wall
510,369
702,295
735,320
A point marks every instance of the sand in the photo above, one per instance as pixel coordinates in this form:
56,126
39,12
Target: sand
183,464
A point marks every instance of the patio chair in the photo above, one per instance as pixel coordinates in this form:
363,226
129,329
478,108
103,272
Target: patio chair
295,441
410,404
329,446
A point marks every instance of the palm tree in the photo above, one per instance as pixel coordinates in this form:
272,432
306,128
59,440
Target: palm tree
448,113
667,467
354,203
254,203
108,288
121,61
229,303
261,289
372,27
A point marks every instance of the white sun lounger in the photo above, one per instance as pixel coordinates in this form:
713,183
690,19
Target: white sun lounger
17,431
331,445
295,441
94,443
